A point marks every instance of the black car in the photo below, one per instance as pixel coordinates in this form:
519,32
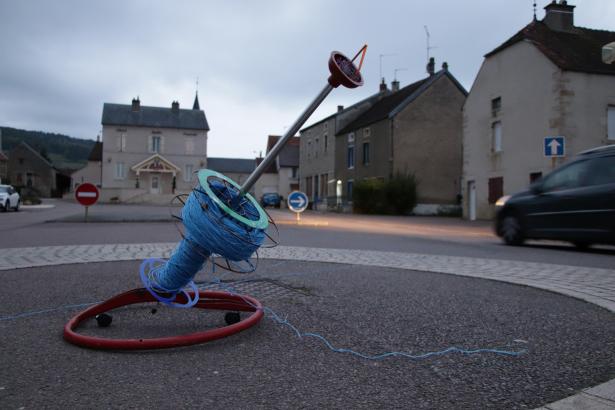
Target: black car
271,199
574,203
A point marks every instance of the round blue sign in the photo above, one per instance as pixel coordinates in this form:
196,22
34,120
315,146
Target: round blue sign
297,201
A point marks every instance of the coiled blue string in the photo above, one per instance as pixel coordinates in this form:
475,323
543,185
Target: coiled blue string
209,230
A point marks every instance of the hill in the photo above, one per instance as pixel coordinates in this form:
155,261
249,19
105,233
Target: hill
63,152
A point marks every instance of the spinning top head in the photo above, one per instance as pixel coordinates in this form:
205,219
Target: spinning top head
343,71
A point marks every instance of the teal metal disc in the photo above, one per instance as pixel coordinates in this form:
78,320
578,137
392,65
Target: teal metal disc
261,223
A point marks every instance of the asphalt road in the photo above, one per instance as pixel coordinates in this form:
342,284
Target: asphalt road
372,310
444,236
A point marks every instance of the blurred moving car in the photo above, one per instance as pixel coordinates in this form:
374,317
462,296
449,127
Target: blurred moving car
271,199
574,203
9,198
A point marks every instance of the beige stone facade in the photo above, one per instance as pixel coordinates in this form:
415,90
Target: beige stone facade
522,95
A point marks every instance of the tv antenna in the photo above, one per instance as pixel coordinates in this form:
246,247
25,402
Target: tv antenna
395,72
381,57
429,47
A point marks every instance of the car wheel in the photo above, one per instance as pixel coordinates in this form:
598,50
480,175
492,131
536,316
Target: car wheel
5,207
511,230
16,209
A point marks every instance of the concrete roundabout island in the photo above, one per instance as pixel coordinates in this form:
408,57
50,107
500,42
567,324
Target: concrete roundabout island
371,302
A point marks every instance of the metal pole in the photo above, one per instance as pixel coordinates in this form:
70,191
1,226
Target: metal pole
280,144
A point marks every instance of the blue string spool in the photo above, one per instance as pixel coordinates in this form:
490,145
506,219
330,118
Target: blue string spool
218,221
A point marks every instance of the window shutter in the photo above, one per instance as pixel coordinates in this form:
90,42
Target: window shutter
161,144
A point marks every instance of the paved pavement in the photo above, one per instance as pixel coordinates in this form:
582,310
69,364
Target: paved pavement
594,285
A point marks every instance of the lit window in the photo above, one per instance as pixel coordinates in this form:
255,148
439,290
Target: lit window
496,136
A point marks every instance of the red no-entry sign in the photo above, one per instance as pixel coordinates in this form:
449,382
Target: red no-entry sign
86,194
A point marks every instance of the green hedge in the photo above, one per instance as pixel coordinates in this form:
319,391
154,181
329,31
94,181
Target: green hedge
397,196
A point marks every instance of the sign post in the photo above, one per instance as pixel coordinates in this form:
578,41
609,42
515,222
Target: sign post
87,194
297,202
554,147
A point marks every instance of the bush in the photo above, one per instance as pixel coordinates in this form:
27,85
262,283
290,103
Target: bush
396,196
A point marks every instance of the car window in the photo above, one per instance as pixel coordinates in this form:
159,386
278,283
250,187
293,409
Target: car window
602,171
574,175
4,189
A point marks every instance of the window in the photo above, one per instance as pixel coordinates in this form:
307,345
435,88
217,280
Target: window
121,142
496,137
308,186
367,132
294,172
156,144
349,190
309,149
350,157
316,147
324,185
326,143
496,189
535,176
120,170
20,161
351,137
611,122
326,126
365,153
572,176
496,106
189,146
316,189
188,172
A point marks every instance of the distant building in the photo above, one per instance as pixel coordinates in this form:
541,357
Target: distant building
33,174
286,165
150,153
92,172
412,130
317,152
547,80
237,169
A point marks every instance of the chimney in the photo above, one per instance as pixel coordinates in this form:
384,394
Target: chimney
136,104
431,66
445,66
383,86
340,108
559,16
175,106
394,85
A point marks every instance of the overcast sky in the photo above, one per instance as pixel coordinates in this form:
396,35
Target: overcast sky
259,63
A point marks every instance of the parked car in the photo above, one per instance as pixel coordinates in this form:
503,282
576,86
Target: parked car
271,199
9,198
574,203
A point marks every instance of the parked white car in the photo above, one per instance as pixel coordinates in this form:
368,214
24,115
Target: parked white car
9,198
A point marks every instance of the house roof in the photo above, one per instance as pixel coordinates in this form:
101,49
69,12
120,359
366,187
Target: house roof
157,117
392,104
577,50
35,152
231,165
96,153
289,155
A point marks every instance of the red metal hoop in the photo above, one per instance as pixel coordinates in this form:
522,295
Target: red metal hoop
207,300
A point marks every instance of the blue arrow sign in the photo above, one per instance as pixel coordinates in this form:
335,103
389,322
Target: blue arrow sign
555,147
297,201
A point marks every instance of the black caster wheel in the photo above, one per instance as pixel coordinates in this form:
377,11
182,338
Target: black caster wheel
104,320
231,318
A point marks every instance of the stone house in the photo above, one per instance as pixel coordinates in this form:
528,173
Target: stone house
317,151
412,130
33,174
151,153
547,80
92,172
